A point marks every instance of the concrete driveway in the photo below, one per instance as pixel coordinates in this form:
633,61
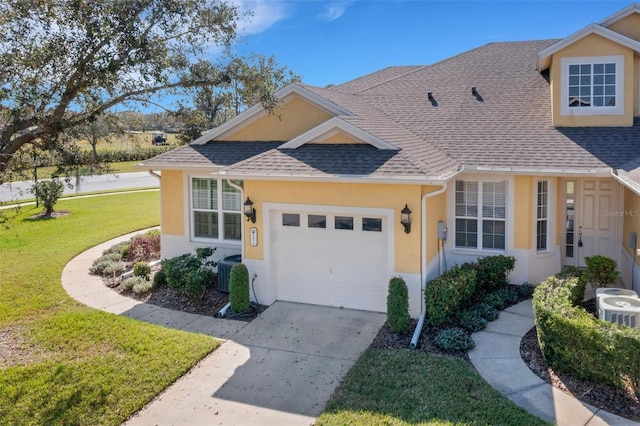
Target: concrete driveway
281,369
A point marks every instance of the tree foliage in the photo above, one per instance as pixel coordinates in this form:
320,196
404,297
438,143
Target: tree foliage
66,62
251,80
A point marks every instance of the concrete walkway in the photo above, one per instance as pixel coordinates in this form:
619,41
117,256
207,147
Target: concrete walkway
280,369
497,358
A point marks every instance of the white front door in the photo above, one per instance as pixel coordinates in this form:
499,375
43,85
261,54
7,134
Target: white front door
592,219
330,258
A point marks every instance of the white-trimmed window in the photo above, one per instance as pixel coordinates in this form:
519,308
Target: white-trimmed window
481,214
542,216
216,209
592,85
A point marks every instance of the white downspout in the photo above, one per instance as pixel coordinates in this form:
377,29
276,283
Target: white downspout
241,189
423,261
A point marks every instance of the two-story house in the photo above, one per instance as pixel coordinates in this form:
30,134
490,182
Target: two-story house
528,149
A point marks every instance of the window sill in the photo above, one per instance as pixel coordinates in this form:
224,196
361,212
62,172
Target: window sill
477,252
217,243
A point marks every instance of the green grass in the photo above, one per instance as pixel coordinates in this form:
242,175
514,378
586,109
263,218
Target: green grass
87,367
405,387
114,168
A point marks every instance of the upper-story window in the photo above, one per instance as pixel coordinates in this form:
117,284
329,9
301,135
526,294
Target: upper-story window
592,85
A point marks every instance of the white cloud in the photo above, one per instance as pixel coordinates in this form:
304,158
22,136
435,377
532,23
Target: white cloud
335,10
265,14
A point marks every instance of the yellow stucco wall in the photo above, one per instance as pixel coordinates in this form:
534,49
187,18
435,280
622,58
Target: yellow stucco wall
628,26
436,211
172,202
407,255
594,45
292,119
339,138
631,222
523,214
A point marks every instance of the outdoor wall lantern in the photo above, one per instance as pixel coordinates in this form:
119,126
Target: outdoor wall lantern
249,211
405,218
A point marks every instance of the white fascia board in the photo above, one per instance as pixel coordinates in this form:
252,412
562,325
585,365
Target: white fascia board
340,124
405,180
568,171
257,111
610,20
545,54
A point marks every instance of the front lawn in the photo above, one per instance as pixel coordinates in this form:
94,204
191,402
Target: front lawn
64,363
408,387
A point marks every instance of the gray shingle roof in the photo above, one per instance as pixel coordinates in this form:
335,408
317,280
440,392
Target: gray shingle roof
505,124
333,160
210,155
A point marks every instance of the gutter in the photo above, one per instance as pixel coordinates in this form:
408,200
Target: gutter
423,256
626,182
154,174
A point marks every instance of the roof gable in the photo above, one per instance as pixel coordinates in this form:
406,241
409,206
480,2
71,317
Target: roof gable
330,128
620,15
544,56
286,94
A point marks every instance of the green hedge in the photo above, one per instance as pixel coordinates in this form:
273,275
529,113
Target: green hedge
445,294
575,342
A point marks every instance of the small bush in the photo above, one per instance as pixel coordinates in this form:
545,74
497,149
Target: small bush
525,290
398,305
159,278
494,300
48,192
189,274
120,249
601,270
493,271
141,269
487,311
128,283
106,266
239,288
142,286
144,247
472,320
445,294
508,295
115,268
453,340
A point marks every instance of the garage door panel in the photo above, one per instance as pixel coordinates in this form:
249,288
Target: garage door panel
327,266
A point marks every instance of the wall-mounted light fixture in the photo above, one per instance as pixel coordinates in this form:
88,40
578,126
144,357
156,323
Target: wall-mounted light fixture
405,218
249,211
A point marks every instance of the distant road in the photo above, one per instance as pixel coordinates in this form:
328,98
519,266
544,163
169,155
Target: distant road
16,191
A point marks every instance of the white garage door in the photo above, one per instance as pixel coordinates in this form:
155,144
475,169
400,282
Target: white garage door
331,259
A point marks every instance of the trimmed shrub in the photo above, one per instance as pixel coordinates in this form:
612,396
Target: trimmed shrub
445,294
454,339
398,305
577,288
472,320
493,271
189,274
239,288
601,270
120,249
141,269
494,300
115,268
575,342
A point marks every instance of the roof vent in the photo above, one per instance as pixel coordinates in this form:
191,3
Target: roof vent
432,99
477,95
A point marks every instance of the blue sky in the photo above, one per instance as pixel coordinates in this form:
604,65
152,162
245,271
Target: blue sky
330,42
